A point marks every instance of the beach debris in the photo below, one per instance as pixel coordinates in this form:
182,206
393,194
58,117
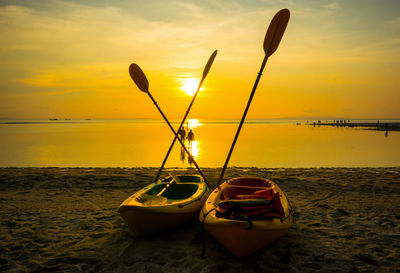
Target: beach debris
287,258
10,224
342,211
319,257
366,259
325,197
3,261
354,270
325,206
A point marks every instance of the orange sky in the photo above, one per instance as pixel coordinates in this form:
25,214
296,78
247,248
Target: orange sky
70,59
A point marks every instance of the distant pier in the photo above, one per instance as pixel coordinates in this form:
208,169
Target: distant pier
379,126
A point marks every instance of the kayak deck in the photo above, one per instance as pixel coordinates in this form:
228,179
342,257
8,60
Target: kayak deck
164,204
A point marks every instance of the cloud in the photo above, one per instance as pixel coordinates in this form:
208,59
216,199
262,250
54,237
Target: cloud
332,6
394,24
71,35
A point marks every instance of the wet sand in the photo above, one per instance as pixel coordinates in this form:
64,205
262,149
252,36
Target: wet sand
66,220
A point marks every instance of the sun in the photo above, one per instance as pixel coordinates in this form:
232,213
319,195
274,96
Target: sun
190,85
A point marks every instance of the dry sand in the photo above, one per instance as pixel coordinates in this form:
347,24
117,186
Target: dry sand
66,220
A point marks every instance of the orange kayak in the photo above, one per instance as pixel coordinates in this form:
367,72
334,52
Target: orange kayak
246,214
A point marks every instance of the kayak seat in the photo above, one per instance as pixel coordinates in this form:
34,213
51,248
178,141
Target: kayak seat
249,203
180,191
249,182
246,202
235,192
189,178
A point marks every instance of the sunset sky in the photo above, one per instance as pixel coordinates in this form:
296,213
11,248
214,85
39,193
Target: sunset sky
70,59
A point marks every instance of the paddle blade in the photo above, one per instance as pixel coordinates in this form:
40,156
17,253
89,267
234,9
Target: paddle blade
139,77
275,31
209,63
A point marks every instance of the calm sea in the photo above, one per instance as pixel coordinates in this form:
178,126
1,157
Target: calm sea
144,143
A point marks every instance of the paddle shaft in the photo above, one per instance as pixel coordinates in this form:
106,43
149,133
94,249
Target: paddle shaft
180,127
172,129
242,120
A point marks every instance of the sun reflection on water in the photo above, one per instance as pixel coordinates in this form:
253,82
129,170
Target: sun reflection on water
143,143
194,149
191,143
193,123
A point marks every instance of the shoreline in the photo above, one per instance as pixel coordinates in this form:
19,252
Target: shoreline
65,219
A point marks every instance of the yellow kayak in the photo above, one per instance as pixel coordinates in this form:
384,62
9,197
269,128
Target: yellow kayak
246,214
164,204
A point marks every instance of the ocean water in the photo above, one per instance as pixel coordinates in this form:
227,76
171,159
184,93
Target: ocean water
144,143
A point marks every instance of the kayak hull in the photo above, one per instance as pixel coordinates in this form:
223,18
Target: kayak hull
144,222
240,237
241,242
148,211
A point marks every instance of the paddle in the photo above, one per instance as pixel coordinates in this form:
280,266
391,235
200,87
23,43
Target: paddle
174,177
142,83
205,72
160,200
271,42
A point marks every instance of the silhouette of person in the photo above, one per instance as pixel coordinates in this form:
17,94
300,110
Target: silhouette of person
190,137
182,133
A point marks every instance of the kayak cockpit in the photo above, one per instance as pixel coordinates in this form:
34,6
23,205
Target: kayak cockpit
249,199
244,187
183,179
250,182
177,191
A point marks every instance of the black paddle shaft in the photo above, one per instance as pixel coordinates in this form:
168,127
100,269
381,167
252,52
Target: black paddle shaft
205,72
271,42
242,120
176,136
183,145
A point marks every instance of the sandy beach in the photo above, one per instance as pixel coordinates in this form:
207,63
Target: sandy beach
66,220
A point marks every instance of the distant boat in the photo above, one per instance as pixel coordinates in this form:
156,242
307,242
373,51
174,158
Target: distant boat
88,119
53,118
